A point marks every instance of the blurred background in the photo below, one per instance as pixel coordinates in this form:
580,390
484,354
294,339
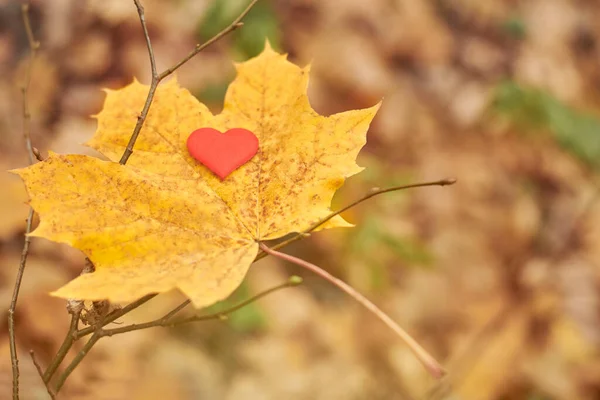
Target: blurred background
497,276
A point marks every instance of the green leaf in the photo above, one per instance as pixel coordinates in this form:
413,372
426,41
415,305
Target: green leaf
533,109
408,250
260,23
249,318
515,27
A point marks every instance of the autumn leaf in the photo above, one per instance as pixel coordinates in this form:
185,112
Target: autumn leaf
164,221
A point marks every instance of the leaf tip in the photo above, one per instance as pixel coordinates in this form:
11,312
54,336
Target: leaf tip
268,46
269,51
16,171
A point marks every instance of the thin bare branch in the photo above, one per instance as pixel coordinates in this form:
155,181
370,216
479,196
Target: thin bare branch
39,370
372,193
153,85
33,46
142,15
432,366
136,327
116,314
64,347
73,334
37,154
157,78
78,358
199,47
167,320
13,306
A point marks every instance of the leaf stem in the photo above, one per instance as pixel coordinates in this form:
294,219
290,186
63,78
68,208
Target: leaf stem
33,47
157,78
372,193
432,366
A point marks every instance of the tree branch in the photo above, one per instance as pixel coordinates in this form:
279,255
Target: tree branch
157,78
33,47
64,348
165,321
39,370
232,27
116,314
372,193
432,366
78,358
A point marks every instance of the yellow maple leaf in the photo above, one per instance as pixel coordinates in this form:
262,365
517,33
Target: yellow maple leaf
164,221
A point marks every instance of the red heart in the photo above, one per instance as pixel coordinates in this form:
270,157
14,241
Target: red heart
222,153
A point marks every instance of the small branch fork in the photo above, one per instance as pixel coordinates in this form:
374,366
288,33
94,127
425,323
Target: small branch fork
33,47
157,78
98,332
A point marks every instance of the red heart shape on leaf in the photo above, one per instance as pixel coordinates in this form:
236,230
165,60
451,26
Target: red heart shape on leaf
222,153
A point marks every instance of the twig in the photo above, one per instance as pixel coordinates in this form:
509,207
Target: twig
157,78
136,327
165,321
142,15
13,305
39,370
64,348
372,193
37,154
113,316
78,358
199,47
33,46
73,334
434,368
